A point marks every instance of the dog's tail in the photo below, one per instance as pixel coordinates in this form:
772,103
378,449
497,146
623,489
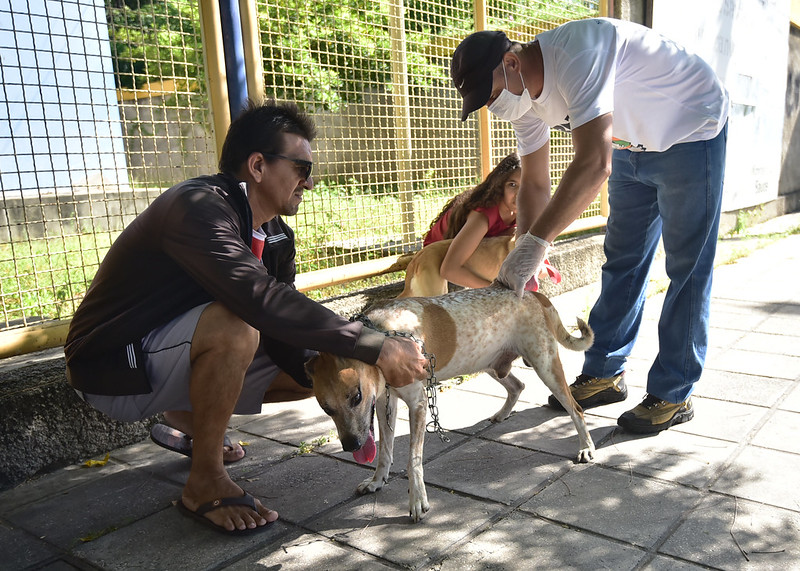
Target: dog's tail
556,327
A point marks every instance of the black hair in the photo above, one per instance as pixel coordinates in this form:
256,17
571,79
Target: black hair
259,128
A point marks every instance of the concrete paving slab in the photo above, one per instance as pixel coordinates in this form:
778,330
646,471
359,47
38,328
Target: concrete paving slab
726,315
670,456
792,402
777,343
783,322
169,465
432,448
492,470
170,540
522,542
613,503
95,508
780,432
306,485
720,339
547,430
484,384
721,419
755,363
730,533
662,563
379,524
468,412
53,484
289,423
763,475
308,551
724,384
23,551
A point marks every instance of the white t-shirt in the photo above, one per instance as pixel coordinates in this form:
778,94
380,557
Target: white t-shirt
660,94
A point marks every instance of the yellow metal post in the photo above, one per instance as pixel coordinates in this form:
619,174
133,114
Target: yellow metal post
401,113
606,9
251,40
484,131
214,56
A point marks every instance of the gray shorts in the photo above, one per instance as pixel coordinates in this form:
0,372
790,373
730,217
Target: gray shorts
166,355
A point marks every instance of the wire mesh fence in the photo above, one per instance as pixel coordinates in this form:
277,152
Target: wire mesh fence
104,105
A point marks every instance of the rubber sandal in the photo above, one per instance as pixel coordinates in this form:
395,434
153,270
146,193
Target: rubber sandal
175,440
199,514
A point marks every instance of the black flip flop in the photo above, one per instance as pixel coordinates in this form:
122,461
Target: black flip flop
175,440
199,514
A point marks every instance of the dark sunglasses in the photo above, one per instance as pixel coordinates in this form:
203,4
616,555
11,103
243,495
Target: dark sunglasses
304,167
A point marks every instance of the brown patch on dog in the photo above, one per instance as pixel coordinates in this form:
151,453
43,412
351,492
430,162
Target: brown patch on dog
439,333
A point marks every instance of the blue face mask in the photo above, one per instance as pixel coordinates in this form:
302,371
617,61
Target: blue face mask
508,106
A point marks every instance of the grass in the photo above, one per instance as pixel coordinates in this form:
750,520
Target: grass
45,279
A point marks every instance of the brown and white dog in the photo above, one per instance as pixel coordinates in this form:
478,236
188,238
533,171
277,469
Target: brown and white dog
423,273
468,331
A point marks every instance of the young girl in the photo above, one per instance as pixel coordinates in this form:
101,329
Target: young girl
489,209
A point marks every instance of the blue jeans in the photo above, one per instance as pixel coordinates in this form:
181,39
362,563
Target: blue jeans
678,194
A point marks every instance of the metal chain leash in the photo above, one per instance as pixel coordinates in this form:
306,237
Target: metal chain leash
431,383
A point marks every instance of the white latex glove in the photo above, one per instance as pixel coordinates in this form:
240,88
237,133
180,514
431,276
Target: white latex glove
523,263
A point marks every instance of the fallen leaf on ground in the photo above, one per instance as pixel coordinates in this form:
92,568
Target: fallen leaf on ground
95,463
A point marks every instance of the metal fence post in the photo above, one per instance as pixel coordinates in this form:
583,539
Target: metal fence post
401,113
484,131
211,30
251,41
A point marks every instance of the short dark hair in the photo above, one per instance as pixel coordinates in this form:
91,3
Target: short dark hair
259,128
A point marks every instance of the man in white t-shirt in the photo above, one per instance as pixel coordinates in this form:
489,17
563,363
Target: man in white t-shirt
652,116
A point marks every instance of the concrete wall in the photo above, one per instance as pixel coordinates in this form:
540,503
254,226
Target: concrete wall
790,167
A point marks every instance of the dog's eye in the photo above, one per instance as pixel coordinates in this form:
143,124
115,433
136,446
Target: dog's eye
356,400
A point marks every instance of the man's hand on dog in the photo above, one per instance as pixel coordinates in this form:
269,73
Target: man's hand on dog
401,362
519,270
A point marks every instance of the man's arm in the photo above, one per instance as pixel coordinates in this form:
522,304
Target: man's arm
579,185
534,188
581,181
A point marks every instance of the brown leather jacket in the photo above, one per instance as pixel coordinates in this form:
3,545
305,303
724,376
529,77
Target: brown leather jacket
192,246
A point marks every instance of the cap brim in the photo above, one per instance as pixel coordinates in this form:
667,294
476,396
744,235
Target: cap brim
476,98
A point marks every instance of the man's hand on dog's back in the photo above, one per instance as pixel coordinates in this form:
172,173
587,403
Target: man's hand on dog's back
401,362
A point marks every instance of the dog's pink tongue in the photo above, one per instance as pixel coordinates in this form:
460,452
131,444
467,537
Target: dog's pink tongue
366,453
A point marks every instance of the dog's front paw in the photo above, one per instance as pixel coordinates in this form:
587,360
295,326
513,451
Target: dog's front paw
585,455
418,506
370,485
499,416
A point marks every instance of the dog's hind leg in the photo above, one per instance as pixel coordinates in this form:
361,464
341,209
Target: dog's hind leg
548,367
414,397
387,418
514,388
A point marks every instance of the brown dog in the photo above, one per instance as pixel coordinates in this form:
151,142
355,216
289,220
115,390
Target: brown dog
423,276
468,331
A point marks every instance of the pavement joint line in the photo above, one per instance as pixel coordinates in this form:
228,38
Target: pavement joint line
507,510
706,491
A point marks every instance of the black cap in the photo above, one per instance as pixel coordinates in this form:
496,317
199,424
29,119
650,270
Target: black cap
472,65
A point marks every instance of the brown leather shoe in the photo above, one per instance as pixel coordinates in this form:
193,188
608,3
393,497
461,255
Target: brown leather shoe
655,415
592,391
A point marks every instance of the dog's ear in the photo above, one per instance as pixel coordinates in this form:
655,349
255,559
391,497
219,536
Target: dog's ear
309,366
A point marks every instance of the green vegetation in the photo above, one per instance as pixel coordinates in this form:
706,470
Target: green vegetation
326,53
47,277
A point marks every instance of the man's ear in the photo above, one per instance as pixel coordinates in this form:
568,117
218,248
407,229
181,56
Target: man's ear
255,165
512,61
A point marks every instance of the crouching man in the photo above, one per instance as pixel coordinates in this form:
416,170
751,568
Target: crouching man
184,318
